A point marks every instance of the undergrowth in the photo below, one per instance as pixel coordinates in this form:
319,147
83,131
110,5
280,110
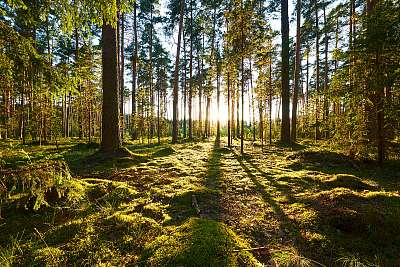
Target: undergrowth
196,204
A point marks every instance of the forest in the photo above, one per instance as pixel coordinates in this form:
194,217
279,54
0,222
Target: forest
200,133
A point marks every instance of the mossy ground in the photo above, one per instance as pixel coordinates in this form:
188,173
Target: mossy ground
297,206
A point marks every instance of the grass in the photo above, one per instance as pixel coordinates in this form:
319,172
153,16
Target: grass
290,206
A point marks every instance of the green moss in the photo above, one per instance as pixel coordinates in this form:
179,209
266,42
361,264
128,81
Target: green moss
198,242
138,209
49,256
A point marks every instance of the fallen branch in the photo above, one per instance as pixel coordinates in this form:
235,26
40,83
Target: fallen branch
249,249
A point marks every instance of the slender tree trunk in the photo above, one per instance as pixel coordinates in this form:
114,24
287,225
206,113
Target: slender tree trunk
252,103
296,73
184,91
238,112
200,94
270,101
242,85
233,113
158,112
151,117
191,73
229,109
218,102
317,82
326,81
307,78
207,122
351,22
80,113
122,78
134,72
176,78
285,126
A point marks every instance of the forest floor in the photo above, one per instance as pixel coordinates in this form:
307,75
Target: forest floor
196,204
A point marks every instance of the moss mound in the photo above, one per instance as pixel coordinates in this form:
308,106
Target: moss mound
198,242
164,152
348,181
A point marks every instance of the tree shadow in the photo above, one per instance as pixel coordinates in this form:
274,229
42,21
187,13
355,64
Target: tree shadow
267,197
204,201
289,231
349,213
199,238
333,163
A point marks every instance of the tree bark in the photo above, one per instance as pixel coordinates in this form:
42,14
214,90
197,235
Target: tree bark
296,73
317,134
122,78
111,138
134,72
285,126
191,73
176,78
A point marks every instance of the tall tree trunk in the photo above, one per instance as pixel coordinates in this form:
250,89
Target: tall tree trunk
200,93
242,84
238,111
233,135
307,77
158,111
191,73
111,138
285,126
134,72
151,117
176,78
218,102
184,91
326,81
122,78
252,103
296,73
317,82
207,122
80,113
229,109
270,101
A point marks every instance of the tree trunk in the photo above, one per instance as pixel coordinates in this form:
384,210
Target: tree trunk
317,135
111,138
200,93
296,74
134,73
285,126
191,73
218,102
184,91
270,101
122,73
242,84
80,113
229,109
151,117
326,69
176,78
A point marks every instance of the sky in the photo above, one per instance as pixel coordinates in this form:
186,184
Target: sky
170,45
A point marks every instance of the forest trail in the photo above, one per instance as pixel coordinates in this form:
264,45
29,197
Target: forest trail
304,203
